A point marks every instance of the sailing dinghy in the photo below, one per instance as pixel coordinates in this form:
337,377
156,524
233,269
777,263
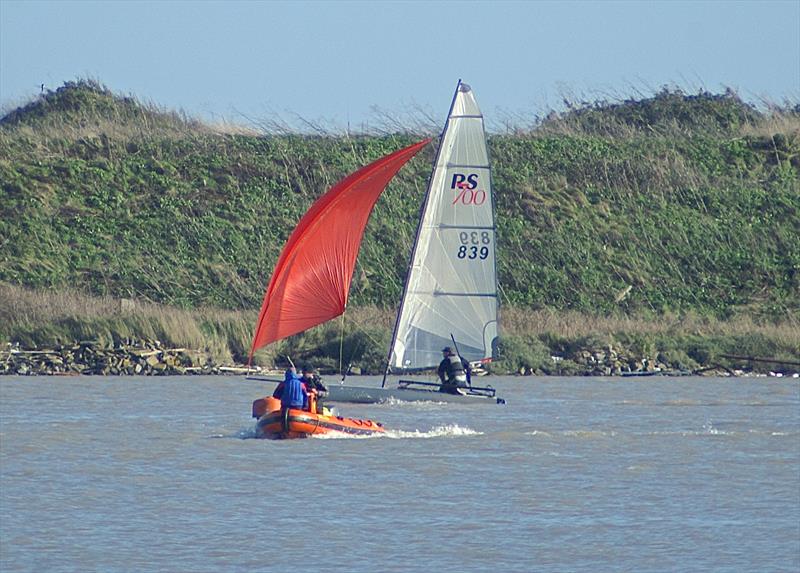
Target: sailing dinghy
450,295
311,282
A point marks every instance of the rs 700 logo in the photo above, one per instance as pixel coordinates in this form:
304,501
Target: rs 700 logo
466,193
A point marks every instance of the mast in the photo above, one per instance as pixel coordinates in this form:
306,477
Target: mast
421,218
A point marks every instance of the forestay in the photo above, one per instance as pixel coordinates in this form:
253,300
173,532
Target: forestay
451,287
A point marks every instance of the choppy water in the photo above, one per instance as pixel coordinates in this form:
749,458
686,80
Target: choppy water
573,474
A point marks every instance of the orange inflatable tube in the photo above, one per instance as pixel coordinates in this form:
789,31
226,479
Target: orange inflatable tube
274,423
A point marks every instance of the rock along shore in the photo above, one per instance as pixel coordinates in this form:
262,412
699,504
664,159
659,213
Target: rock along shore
151,358
148,358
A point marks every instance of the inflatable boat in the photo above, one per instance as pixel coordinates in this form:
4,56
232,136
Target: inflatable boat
275,424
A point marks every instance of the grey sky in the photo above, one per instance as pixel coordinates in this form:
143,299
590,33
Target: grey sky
335,61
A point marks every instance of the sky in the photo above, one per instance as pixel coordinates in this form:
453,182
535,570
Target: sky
355,63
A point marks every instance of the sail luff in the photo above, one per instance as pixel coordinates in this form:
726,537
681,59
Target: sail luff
311,280
420,221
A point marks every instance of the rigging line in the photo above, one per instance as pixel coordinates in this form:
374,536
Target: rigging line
341,342
356,348
370,338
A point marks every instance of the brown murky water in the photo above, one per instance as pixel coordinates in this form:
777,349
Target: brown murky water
573,474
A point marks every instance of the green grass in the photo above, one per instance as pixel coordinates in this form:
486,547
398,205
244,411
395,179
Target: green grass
675,205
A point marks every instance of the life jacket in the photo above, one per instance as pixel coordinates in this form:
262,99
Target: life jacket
455,369
293,395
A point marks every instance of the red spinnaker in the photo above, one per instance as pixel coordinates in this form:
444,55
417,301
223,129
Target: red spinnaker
312,277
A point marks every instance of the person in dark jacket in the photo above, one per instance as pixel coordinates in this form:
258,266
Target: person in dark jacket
312,380
314,384
454,372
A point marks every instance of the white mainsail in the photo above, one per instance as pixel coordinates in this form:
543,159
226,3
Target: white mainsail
451,288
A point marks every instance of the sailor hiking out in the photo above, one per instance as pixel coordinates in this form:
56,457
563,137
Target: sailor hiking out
454,372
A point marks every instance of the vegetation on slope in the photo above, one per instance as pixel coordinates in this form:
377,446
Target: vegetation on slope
529,338
670,205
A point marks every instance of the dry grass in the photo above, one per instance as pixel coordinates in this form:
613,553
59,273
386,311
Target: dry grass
226,335
58,131
574,325
777,121
128,120
20,305
77,316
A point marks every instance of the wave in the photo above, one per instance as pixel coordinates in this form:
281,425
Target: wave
708,429
450,431
242,434
590,433
683,403
415,405
574,433
538,433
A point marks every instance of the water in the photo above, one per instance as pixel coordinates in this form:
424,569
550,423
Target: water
573,474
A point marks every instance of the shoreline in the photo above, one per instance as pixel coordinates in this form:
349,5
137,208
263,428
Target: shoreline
151,358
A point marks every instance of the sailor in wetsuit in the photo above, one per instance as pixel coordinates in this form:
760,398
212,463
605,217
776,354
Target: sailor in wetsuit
454,372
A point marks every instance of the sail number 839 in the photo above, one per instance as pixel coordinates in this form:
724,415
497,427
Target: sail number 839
474,244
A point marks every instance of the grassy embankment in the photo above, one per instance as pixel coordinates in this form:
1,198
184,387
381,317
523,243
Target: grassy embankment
666,228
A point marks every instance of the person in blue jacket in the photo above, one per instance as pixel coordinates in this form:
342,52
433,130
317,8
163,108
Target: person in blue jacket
292,392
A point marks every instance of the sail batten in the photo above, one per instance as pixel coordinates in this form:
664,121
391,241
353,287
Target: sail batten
440,293
445,226
451,288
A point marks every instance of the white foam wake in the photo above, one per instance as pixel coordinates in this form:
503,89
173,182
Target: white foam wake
450,431
394,403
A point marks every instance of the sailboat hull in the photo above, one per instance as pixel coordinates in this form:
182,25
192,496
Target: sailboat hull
364,395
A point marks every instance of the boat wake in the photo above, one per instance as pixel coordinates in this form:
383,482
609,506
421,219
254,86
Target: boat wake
421,405
450,431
